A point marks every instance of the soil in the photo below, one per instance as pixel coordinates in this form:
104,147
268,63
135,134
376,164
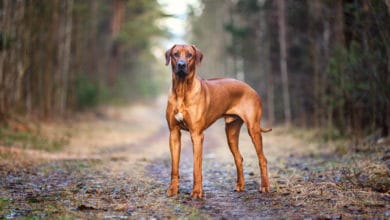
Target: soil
117,166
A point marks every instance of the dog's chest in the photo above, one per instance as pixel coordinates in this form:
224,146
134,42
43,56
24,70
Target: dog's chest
180,121
179,117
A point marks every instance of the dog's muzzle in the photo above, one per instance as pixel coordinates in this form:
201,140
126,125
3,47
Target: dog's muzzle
181,68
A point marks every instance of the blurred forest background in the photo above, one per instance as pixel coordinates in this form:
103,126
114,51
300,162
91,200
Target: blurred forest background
59,56
315,63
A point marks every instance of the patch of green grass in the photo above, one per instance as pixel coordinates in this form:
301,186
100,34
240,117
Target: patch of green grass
3,203
65,218
31,140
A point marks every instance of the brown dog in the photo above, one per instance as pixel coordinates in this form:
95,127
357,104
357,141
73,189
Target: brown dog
194,104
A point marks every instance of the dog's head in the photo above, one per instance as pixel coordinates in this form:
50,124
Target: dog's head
183,58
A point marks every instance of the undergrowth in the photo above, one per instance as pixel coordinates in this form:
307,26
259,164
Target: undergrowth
31,140
362,163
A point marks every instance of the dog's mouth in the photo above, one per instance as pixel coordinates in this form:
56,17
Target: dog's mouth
181,73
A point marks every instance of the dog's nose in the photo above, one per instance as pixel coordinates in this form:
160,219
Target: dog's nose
181,64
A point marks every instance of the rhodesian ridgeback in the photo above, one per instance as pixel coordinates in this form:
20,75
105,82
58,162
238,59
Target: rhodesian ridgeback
194,104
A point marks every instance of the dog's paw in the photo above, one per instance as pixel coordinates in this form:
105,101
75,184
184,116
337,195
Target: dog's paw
197,193
265,189
264,185
173,190
239,188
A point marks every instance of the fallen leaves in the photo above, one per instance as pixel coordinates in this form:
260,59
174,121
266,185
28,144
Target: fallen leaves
126,180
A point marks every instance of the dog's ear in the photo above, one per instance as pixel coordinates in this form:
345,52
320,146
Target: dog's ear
168,55
198,55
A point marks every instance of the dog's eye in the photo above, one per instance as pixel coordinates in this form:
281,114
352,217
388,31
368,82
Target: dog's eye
189,55
176,54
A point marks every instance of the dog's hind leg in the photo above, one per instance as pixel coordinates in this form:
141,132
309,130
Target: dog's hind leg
232,133
255,133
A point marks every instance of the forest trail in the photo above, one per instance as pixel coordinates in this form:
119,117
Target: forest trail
117,166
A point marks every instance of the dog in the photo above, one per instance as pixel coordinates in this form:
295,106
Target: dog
195,103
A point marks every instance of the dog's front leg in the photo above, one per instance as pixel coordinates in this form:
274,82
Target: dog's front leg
197,141
175,146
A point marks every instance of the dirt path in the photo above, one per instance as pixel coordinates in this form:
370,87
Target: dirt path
117,166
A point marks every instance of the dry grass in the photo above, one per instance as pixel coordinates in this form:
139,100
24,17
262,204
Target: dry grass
115,164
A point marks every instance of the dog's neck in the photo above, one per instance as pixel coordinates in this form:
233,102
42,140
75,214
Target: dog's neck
184,88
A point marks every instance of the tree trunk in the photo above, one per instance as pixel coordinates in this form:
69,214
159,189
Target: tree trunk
267,17
115,48
338,24
4,21
11,56
283,59
270,98
388,5
320,33
65,38
92,32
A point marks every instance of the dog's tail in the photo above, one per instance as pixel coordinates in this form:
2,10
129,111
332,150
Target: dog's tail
265,130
